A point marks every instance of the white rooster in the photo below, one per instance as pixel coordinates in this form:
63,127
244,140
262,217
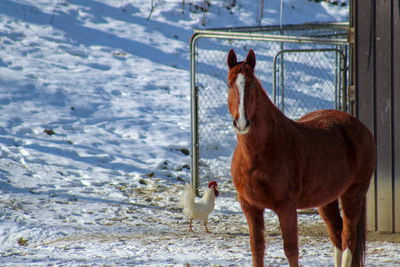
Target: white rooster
199,210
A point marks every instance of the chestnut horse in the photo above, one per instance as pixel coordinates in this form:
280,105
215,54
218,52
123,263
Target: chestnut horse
285,165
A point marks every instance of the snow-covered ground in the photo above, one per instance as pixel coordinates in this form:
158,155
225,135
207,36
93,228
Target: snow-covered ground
95,134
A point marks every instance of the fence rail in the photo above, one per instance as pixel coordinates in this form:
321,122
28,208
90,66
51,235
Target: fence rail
302,67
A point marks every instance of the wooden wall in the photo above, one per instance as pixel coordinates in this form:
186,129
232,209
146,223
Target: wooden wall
377,83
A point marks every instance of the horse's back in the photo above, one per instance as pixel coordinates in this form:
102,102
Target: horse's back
329,119
343,125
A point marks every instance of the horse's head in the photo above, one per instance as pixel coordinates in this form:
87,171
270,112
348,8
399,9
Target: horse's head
241,96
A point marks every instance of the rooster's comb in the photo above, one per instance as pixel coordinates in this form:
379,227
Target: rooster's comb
212,183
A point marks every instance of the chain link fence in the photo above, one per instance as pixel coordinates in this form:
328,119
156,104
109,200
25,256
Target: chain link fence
302,68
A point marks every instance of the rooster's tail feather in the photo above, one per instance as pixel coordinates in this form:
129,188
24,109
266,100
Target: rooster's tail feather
187,200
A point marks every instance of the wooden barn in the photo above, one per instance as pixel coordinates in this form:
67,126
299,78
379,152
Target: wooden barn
375,35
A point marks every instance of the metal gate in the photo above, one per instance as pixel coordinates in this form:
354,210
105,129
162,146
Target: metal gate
302,68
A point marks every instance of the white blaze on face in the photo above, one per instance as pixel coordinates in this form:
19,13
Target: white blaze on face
241,84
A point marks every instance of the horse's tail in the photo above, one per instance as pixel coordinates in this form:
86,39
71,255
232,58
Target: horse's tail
361,245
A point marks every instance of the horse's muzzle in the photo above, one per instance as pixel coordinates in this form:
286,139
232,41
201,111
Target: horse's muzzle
241,128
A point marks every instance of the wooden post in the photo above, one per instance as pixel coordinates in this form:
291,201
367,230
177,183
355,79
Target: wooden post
364,61
377,83
384,105
396,111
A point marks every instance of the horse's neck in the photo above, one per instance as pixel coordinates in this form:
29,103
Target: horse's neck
265,132
267,114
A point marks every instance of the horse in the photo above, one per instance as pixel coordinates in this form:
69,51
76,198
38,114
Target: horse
283,165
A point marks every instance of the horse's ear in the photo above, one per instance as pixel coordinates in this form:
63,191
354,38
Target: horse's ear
251,59
232,60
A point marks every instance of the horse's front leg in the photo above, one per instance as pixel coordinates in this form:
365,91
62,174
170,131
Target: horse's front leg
255,220
287,215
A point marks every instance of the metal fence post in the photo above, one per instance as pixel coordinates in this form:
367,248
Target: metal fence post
194,169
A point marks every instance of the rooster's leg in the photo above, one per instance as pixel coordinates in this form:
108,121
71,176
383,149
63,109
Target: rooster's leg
205,225
190,224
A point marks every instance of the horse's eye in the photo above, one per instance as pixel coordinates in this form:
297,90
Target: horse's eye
228,84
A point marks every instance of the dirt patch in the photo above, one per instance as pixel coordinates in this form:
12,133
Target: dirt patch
383,237
316,230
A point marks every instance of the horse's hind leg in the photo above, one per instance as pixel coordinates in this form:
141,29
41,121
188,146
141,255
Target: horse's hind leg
354,229
331,215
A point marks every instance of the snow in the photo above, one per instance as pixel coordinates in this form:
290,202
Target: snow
95,130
